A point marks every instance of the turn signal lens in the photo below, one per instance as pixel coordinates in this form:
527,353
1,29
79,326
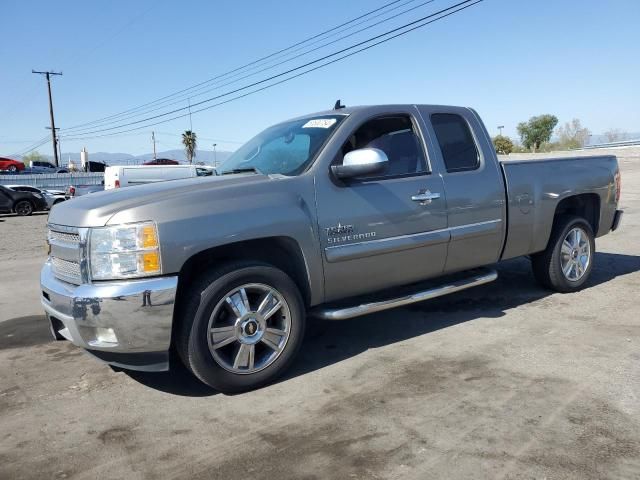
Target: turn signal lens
150,262
149,238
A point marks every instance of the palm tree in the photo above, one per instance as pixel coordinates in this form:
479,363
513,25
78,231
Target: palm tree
189,140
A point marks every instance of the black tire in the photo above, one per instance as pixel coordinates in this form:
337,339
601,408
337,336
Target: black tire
13,168
547,265
24,208
197,306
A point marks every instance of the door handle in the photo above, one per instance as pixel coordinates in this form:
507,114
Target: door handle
425,198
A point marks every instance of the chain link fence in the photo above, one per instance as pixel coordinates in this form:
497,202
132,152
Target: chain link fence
58,181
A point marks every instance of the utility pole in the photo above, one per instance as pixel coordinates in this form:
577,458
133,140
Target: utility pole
59,146
53,124
153,139
215,157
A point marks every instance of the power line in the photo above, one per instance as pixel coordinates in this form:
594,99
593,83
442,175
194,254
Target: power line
422,22
366,14
32,147
78,130
71,138
419,23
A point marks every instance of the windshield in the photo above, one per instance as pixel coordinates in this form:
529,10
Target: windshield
286,148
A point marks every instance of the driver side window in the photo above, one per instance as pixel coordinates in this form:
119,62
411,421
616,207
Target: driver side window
397,138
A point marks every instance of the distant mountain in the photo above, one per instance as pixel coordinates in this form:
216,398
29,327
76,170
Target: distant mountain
205,156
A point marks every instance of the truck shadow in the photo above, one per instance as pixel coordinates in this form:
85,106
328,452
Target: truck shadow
331,342
327,343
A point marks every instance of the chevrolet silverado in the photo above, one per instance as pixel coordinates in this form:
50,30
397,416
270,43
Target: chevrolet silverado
331,215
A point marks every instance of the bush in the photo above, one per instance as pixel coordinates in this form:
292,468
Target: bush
503,145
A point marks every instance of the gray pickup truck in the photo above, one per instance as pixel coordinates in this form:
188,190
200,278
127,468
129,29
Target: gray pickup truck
331,215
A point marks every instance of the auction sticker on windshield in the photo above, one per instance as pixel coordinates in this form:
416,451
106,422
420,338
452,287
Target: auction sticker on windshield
320,123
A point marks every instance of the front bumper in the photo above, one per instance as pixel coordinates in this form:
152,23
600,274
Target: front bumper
125,323
617,218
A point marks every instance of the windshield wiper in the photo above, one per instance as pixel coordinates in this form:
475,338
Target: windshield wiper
240,170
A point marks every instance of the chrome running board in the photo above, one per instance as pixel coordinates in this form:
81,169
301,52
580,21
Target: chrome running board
479,278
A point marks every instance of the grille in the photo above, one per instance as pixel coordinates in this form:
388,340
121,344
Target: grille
65,254
65,269
64,237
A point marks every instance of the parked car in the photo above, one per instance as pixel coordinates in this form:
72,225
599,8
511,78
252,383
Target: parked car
162,161
53,197
124,176
73,191
205,170
22,203
11,166
336,214
38,166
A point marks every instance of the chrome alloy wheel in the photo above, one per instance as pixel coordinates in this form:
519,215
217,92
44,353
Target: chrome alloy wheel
575,255
249,328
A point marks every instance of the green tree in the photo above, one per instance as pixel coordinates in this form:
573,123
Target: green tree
537,130
572,135
502,144
33,157
190,141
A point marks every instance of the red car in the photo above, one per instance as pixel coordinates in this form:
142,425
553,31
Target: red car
10,165
162,161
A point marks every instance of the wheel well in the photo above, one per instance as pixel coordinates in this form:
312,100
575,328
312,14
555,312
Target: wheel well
586,205
281,252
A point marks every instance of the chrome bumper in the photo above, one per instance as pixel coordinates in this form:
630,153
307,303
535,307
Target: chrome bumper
118,317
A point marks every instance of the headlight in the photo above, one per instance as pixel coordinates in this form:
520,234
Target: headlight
124,251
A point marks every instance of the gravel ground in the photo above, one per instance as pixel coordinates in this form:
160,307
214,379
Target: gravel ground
505,381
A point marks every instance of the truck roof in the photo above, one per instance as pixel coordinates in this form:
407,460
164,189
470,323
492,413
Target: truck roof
373,109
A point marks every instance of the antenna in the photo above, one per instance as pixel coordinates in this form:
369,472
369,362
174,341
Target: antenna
338,105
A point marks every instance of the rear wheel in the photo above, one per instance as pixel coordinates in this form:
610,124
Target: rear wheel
24,208
566,264
13,168
241,326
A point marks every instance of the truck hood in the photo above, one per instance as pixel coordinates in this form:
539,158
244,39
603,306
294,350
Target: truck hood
95,209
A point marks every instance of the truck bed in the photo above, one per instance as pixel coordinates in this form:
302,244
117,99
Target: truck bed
537,186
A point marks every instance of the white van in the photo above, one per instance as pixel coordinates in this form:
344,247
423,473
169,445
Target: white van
123,176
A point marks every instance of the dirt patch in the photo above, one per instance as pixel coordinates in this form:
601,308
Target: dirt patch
477,411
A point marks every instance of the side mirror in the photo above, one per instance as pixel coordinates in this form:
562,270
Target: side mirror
357,163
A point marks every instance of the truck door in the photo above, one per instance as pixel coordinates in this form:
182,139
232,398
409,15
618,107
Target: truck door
384,229
473,183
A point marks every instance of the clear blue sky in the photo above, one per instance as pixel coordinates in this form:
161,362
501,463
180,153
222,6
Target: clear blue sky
510,59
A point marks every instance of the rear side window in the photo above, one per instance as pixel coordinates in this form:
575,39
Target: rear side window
456,142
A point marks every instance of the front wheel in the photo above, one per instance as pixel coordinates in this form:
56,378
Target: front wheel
13,168
566,264
241,326
24,208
